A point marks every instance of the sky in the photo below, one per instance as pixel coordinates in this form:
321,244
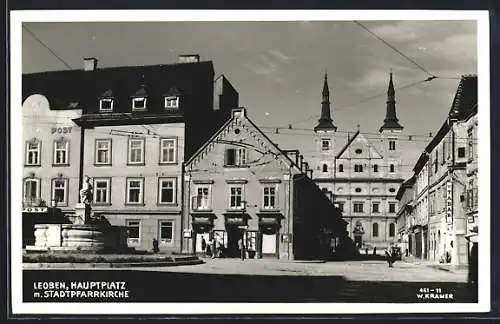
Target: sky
278,67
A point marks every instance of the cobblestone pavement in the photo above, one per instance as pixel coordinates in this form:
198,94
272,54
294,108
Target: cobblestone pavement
233,280
350,270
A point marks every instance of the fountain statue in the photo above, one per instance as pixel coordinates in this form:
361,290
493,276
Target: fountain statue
84,231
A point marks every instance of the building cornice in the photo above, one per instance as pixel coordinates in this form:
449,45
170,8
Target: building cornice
354,180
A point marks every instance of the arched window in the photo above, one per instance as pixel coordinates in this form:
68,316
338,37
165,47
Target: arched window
325,168
391,168
375,229
341,168
392,230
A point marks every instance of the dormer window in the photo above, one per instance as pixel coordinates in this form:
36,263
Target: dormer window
172,102
139,103
106,105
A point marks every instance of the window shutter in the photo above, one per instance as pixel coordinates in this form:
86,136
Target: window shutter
229,157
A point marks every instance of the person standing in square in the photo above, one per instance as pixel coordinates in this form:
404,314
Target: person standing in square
241,246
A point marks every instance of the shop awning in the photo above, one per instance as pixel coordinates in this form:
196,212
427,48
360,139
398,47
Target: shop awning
270,218
236,218
203,218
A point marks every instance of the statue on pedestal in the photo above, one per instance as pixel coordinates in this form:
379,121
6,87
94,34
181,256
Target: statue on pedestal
86,193
86,197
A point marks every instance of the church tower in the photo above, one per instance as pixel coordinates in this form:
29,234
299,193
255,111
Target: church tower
325,137
390,131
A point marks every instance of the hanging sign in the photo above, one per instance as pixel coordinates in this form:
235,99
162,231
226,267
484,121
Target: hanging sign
449,203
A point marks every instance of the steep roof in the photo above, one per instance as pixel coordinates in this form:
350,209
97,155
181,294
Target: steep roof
465,99
242,115
85,87
347,145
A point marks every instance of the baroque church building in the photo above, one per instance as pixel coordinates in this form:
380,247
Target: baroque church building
362,176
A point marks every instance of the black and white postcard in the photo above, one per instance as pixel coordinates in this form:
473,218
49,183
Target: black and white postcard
249,162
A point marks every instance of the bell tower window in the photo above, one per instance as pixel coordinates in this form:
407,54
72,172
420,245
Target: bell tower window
325,144
392,145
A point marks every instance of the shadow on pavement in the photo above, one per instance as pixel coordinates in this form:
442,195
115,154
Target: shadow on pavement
152,286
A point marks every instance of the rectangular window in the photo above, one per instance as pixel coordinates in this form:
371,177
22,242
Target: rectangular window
236,197
106,105
59,191
461,152
103,151
33,153
325,144
392,145
167,190
358,168
375,168
444,152
341,207
171,102
136,150
375,208
168,150
341,168
202,199
31,191
392,207
269,201
135,191
358,207
134,232
470,143
139,103
166,232
102,189
61,149
235,157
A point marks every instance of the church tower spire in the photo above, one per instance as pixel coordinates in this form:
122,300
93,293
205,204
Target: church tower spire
325,121
391,122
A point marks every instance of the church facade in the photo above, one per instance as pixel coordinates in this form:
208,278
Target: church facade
362,178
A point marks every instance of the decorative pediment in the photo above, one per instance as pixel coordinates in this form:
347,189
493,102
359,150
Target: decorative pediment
236,181
203,181
270,180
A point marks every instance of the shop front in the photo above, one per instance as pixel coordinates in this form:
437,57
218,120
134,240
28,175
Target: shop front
236,225
202,224
269,230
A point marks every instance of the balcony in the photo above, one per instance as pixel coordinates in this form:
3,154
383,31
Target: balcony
200,203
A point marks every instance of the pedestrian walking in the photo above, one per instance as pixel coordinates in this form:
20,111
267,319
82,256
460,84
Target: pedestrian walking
156,249
374,250
389,256
203,246
217,248
214,248
210,252
241,246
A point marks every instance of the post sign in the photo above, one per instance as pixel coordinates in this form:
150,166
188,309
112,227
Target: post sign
35,210
60,130
449,203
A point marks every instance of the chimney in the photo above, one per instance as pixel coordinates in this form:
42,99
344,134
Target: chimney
89,64
189,58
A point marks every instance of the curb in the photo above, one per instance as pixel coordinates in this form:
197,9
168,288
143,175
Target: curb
31,266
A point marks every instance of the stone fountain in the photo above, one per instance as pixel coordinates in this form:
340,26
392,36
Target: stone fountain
84,232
